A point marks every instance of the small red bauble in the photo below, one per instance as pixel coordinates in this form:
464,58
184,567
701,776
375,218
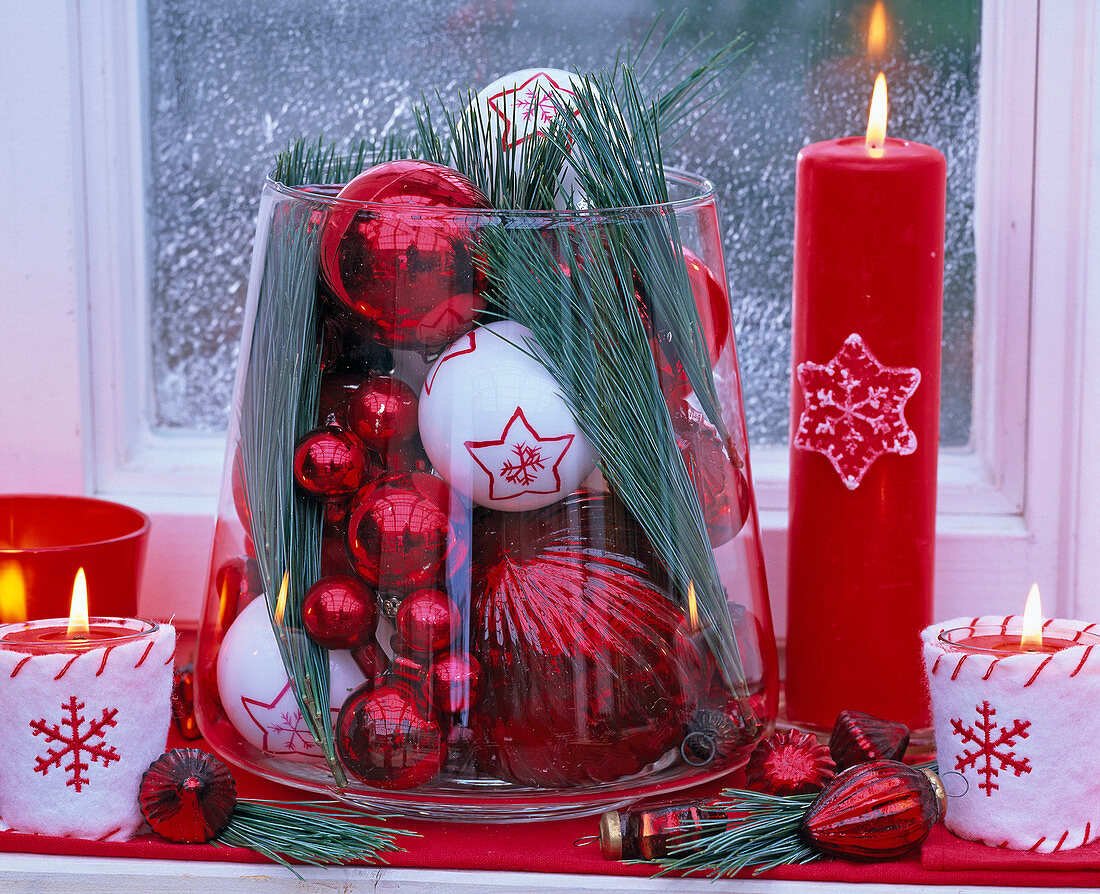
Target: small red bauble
405,264
711,302
382,412
187,795
858,738
400,536
426,620
453,683
339,612
874,811
329,462
333,395
371,658
384,740
789,763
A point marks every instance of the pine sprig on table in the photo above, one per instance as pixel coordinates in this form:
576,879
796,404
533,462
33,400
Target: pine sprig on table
319,833
742,828
279,406
595,346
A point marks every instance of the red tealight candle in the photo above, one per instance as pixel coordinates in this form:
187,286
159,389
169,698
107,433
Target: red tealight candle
866,329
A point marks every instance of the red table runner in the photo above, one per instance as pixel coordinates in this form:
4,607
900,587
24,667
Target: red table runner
550,847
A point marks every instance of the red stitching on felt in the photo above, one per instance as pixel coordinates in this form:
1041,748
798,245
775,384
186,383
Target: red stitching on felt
1084,658
1044,663
65,669
1085,840
109,834
1087,629
19,666
1003,843
145,654
989,670
103,663
1061,841
935,665
171,657
1037,843
958,666
1004,623
1048,622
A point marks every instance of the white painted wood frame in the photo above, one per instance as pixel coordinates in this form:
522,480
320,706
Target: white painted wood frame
74,351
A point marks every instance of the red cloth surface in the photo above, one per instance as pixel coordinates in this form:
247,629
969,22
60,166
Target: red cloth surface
549,847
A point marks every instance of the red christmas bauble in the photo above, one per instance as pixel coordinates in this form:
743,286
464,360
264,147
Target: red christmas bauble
187,795
339,612
404,264
426,620
722,489
858,738
384,740
400,536
329,462
789,763
371,658
333,395
711,302
453,683
382,412
574,629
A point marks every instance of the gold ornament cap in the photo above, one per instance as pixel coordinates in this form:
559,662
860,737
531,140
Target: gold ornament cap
611,835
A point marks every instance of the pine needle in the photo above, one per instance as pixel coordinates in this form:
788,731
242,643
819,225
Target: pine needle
319,833
279,406
318,163
742,829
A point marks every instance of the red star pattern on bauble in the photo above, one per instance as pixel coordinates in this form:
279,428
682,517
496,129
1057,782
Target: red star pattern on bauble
854,410
530,103
521,461
288,736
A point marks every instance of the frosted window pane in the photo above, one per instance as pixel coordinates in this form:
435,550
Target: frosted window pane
232,83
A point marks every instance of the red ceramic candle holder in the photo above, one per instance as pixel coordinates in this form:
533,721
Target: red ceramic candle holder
45,539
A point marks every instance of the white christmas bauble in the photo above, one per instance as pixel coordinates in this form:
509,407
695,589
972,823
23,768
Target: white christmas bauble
256,692
495,426
520,105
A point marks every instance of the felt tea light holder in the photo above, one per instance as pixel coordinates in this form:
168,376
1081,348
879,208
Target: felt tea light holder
81,718
1018,719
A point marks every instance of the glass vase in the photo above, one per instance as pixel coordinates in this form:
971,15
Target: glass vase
487,547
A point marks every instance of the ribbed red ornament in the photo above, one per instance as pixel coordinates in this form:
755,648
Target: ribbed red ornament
575,633
399,534
410,275
858,738
789,763
874,811
187,795
384,740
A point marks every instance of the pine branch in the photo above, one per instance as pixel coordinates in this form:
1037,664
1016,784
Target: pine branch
318,163
742,828
279,406
594,344
316,832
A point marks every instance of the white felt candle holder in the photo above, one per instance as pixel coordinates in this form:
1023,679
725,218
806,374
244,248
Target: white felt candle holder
80,722
1021,727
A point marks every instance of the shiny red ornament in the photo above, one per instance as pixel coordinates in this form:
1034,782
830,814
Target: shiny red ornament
858,738
574,627
334,551
183,704
382,412
722,490
427,620
329,463
238,582
874,811
404,264
333,395
400,536
789,763
371,658
187,795
383,739
339,612
454,682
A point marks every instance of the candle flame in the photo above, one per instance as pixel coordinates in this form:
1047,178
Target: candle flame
13,593
78,608
876,30
1033,620
280,603
876,121
693,609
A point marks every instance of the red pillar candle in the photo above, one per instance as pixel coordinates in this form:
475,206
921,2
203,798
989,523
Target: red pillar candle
866,329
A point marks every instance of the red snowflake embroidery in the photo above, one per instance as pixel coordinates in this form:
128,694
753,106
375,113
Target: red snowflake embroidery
854,410
526,466
982,735
77,743
535,472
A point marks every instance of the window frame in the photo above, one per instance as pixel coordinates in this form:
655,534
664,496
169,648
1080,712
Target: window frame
1003,521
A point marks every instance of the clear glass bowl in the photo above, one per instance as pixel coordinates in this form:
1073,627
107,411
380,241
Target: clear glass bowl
466,453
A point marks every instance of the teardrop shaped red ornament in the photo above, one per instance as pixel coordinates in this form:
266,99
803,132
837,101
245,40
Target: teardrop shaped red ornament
858,738
874,811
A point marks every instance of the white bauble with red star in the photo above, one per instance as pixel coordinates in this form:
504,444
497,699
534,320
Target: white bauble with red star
256,692
520,106
494,423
